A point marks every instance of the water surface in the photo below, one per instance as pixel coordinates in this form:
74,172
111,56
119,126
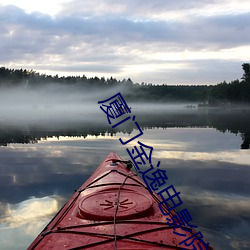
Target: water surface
44,161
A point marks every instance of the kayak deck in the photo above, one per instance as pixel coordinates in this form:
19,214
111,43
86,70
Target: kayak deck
113,209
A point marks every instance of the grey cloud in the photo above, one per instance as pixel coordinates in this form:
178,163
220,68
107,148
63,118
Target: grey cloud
220,31
208,71
98,40
85,68
135,8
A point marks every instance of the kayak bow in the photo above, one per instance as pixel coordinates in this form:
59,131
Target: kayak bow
113,209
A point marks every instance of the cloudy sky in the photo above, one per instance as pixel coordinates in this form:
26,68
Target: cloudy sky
157,41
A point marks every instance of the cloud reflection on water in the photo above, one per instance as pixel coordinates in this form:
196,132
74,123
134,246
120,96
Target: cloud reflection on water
235,156
22,222
212,177
29,210
223,218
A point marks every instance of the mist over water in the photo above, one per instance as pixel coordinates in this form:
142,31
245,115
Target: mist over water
59,107
198,148
55,102
60,102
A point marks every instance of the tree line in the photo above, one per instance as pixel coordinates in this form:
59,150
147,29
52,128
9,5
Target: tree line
236,91
232,121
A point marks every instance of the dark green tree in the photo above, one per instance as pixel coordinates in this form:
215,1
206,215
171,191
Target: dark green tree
246,69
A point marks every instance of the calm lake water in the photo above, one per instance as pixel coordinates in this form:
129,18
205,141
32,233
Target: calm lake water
44,158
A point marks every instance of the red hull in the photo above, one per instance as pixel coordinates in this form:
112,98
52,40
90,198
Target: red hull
87,220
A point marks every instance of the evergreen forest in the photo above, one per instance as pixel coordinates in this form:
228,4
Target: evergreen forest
224,93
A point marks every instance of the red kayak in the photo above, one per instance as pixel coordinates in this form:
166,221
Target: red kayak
114,209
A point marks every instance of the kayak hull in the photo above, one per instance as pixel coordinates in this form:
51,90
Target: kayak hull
113,209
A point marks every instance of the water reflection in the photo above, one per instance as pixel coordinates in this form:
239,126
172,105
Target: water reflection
29,210
206,165
235,121
20,222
